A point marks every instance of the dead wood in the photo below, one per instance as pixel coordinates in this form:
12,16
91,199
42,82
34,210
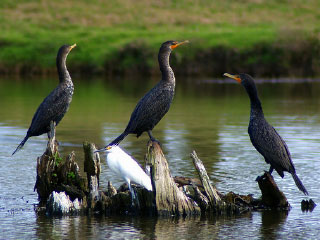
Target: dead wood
92,168
169,199
55,175
272,197
179,196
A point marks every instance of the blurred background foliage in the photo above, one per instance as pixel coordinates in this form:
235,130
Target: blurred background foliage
266,38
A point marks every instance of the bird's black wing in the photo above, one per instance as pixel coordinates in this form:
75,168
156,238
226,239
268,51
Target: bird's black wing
150,110
52,108
273,148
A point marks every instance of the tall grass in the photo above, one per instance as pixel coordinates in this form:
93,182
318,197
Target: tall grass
33,30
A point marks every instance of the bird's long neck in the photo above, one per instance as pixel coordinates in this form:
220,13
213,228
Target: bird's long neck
256,108
64,75
166,70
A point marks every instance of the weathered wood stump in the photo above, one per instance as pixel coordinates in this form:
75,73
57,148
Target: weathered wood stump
272,197
210,200
92,168
55,175
63,190
213,201
169,199
46,165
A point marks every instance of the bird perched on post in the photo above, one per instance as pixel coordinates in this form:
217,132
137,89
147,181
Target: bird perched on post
125,166
156,103
56,104
264,137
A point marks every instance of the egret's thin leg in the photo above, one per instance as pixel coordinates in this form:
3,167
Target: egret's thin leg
134,197
132,193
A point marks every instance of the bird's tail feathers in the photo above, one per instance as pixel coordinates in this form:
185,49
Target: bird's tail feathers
21,144
118,139
299,184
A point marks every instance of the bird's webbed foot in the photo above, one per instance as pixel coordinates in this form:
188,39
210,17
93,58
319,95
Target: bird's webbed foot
270,172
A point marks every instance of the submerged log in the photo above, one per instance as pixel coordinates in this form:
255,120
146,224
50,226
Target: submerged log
169,199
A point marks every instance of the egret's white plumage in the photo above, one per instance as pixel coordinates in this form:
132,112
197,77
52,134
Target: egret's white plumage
126,167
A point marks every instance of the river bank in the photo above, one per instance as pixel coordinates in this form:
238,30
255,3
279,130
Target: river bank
298,58
263,38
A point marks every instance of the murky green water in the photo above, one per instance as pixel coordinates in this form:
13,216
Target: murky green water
210,116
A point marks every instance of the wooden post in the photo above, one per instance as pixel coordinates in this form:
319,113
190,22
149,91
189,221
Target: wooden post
92,168
185,198
210,190
271,195
55,175
46,165
169,199
215,202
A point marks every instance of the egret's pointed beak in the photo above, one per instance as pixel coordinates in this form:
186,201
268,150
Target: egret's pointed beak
178,44
100,150
235,77
103,149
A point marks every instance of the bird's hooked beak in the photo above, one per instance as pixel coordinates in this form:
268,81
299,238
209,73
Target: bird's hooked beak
176,44
73,46
235,77
103,149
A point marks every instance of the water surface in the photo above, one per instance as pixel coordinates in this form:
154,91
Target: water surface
209,116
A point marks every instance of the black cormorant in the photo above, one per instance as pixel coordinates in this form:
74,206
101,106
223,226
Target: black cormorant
56,104
155,104
264,137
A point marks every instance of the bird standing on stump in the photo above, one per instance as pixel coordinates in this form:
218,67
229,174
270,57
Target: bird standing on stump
155,104
56,104
125,166
264,137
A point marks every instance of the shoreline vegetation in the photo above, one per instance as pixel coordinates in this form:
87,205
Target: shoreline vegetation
262,38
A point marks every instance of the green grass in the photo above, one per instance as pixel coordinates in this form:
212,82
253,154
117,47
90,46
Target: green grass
33,30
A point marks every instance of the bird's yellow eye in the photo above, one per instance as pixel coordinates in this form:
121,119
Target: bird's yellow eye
108,148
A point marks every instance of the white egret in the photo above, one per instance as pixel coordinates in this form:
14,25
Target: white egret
125,166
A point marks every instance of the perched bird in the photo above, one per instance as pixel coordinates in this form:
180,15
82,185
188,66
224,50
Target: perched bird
264,137
56,104
125,166
155,104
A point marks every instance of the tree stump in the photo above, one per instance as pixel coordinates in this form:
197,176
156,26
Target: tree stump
179,196
55,175
46,166
272,197
92,168
169,199
211,191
